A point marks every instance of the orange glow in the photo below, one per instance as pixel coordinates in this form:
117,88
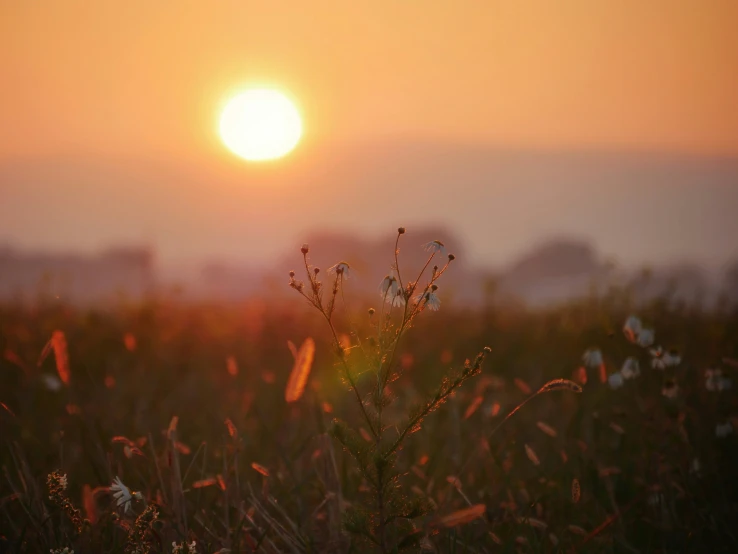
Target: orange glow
260,124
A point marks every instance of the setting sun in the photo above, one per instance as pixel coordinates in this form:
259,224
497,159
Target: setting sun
260,124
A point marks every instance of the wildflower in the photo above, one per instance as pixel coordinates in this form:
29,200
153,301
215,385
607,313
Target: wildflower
670,390
141,536
657,358
399,299
715,382
646,338
592,357
435,246
632,328
388,287
722,430
56,482
631,369
184,548
672,359
431,299
341,268
616,380
122,494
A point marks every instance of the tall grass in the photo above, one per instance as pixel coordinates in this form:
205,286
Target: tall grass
388,438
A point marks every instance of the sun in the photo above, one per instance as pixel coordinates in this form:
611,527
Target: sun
260,124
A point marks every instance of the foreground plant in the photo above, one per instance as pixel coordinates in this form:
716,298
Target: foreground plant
386,522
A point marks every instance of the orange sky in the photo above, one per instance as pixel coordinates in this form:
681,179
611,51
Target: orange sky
143,78
108,114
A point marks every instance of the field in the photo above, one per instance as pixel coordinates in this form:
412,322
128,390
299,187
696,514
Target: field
186,404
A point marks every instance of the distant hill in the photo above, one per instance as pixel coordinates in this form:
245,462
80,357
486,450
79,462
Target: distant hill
552,272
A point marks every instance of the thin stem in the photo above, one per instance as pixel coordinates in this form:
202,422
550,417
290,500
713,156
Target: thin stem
397,262
348,375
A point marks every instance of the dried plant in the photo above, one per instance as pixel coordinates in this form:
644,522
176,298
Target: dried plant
386,521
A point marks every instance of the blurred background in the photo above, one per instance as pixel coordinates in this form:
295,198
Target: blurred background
557,148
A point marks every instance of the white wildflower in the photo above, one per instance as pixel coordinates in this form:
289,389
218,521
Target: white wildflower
341,268
657,358
398,300
670,390
122,494
631,368
646,337
615,380
430,299
672,359
388,287
592,357
722,430
184,548
52,382
632,328
435,246
715,382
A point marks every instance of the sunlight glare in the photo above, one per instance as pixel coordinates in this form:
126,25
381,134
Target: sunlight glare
260,124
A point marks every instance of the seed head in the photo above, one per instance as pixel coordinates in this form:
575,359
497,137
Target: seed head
371,311
305,248
292,274
316,270
451,257
401,231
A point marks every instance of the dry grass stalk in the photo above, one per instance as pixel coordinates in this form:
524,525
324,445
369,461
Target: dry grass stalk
461,517
300,371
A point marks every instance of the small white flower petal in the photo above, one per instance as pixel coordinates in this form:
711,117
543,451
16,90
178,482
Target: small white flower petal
592,357
646,337
435,246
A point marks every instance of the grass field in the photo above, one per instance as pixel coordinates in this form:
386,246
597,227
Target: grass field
186,404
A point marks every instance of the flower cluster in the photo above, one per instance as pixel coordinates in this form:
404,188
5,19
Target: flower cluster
635,332
140,539
662,360
715,382
184,548
57,485
380,520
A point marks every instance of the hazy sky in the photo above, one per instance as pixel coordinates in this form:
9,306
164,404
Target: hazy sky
108,114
